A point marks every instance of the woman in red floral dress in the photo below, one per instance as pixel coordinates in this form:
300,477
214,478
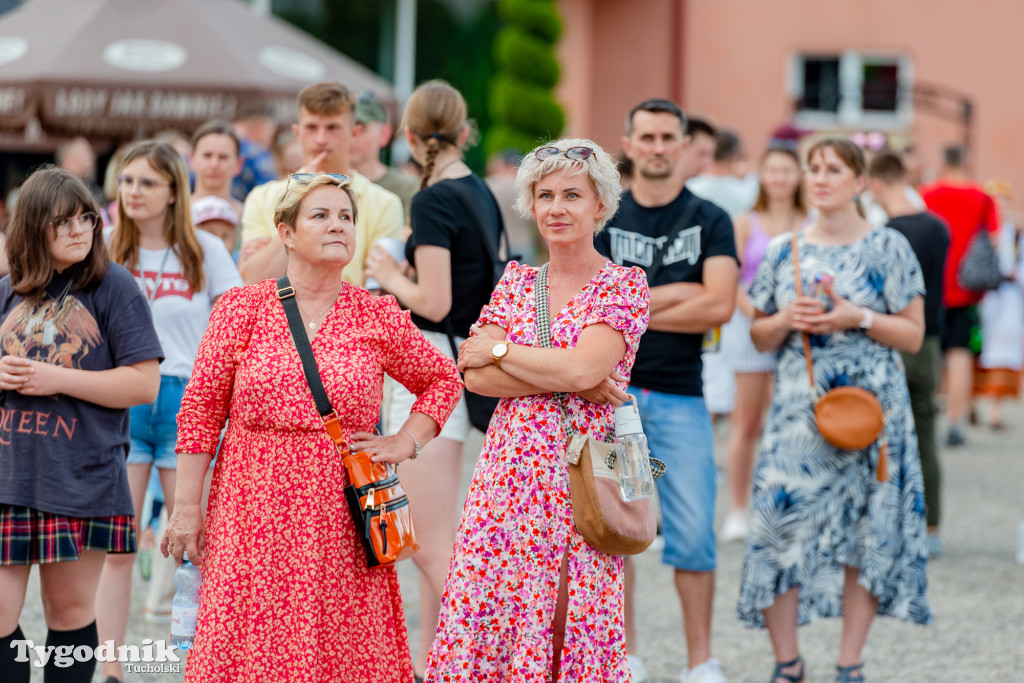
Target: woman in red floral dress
286,594
527,599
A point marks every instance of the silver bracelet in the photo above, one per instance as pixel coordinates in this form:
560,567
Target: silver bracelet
415,443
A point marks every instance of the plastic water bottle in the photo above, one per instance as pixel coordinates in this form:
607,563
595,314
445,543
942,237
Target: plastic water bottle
185,606
632,455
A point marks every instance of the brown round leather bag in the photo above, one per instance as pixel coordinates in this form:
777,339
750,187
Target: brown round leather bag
847,417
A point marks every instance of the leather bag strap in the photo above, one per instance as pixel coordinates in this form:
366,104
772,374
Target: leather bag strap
800,292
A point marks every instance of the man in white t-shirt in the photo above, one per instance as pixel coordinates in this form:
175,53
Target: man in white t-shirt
720,182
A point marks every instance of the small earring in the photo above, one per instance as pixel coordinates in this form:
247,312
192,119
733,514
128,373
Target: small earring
291,247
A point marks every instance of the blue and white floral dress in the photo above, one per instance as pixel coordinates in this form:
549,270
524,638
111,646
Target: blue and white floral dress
816,508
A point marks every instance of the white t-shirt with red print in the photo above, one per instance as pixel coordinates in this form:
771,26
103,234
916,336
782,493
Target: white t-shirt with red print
181,315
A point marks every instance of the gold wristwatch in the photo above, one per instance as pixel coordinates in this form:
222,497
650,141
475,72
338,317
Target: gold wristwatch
499,351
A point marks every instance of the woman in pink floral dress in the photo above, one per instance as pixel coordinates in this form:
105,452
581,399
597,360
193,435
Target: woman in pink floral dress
527,600
286,592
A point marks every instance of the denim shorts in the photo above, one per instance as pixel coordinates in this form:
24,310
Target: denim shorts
154,426
678,430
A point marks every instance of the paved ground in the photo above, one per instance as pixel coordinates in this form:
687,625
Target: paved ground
977,593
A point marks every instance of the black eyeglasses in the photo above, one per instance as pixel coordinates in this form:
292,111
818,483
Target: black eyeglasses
341,179
575,153
87,222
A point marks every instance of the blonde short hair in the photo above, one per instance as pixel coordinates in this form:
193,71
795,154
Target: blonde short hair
600,168
287,210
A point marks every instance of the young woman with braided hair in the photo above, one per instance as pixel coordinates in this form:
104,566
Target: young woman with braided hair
451,216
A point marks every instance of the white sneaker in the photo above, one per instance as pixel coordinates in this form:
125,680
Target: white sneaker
736,526
708,672
637,670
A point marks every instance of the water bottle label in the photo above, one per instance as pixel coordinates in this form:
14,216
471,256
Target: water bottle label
183,621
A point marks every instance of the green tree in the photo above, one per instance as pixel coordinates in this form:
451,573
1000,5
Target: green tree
523,108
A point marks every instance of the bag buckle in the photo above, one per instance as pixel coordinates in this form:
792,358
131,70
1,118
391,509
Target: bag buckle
286,292
576,444
333,427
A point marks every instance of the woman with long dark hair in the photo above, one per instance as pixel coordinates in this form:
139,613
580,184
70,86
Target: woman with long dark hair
79,349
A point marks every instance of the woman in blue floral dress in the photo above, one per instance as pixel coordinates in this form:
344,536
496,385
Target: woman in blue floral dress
827,538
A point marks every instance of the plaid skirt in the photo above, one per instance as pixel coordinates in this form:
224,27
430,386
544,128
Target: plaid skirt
29,536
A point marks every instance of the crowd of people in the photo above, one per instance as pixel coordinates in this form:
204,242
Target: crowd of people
142,325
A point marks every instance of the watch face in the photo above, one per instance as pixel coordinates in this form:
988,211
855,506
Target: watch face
499,350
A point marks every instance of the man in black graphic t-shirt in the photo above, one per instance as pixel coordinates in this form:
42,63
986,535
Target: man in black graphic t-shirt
929,238
686,246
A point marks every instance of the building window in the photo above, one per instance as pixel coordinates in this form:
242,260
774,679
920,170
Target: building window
854,89
880,87
820,80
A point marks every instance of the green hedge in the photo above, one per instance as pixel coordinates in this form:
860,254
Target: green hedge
537,17
522,104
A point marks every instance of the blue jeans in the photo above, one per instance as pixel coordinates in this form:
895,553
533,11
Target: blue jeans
154,427
678,430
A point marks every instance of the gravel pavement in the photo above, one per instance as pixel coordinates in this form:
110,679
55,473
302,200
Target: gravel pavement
976,590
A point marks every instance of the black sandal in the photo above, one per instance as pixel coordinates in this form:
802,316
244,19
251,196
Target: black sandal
845,674
791,678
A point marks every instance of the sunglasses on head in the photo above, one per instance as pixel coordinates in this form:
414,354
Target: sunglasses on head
575,153
340,179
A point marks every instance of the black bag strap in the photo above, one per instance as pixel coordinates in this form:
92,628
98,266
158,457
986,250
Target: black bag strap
286,293
681,224
475,206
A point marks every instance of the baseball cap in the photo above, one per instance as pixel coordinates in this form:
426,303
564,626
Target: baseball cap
369,108
213,209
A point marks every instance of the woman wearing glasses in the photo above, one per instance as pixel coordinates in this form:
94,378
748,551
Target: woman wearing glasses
453,215
287,595
527,599
78,350
181,272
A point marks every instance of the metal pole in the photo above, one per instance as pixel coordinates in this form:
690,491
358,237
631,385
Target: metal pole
405,65
405,48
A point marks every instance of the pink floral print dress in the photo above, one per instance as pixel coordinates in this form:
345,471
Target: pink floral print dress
499,601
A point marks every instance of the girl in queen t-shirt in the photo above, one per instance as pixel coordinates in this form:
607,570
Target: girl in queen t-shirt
181,272
78,350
